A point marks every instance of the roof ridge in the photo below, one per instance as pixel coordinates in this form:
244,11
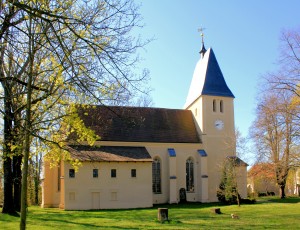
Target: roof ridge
136,107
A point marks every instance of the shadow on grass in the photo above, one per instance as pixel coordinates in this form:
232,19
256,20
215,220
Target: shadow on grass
188,205
277,199
15,214
72,224
287,200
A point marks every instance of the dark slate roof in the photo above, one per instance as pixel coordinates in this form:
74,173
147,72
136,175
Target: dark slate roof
215,84
140,124
238,161
109,153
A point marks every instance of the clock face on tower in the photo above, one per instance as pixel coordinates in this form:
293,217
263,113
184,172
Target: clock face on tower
219,124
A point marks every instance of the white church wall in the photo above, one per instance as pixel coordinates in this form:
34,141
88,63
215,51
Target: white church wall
173,196
83,191
161,151
203,180
104,192
242,182
176,167
50,188
218,143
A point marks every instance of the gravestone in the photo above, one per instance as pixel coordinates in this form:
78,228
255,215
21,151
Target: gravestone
216,210
162,214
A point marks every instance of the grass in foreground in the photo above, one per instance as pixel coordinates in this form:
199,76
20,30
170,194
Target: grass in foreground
269,214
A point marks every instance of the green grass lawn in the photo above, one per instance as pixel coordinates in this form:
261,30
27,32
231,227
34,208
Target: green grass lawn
269,213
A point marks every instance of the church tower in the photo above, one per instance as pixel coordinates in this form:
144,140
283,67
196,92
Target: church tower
211,102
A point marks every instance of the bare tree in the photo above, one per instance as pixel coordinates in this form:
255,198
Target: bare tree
276,128
275,133
287,76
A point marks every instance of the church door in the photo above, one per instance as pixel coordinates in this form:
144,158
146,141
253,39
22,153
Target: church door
95,200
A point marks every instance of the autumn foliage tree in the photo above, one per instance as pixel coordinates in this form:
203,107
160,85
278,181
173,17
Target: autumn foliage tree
275,134
262,176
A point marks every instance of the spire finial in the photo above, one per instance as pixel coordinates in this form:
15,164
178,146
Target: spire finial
203,50
200,30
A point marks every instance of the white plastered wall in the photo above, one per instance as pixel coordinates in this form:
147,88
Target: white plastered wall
123,191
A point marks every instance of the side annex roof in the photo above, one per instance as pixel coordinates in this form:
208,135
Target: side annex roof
109,153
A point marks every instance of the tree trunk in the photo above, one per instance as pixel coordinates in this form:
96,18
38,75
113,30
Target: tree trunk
37,179
238,199
27,133
17,178
17,158
8,203
282,192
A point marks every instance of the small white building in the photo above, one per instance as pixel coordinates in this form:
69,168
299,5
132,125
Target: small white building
150,156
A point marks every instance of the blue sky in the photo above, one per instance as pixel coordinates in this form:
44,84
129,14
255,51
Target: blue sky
243,34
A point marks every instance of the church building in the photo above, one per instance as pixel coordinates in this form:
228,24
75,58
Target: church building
149,156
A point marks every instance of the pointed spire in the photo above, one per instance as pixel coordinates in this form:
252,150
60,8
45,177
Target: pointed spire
207,80
203,50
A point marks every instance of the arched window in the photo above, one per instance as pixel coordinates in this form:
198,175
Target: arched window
214,105
190,175
221,106
156,176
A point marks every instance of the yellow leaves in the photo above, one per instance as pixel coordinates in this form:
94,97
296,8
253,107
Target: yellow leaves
15,150
57,155
75,124
13,147
295,101
56,77
71,123
76,164
82,33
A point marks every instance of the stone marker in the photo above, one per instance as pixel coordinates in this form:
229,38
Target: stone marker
162,214
216,210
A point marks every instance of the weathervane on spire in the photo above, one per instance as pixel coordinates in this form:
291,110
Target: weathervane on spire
201,29
203,50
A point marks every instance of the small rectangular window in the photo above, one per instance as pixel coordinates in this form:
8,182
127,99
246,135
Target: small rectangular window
133,172
214,105
95,173
72,173
221,106
113,173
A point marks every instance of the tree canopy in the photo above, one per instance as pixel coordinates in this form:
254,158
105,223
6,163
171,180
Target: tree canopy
60,54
